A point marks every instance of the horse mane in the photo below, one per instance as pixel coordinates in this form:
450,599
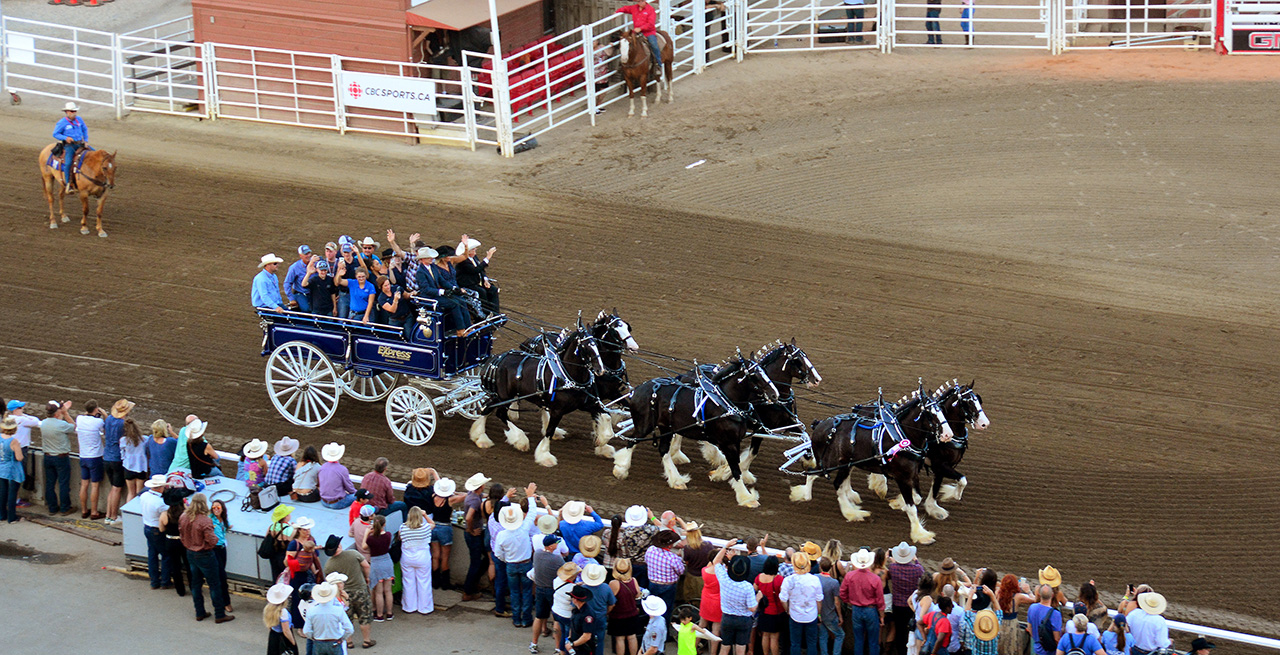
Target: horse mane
727,368
768,352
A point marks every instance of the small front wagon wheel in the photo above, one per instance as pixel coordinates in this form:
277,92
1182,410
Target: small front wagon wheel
411,415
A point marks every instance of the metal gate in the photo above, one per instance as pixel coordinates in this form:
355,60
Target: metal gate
162,76
997,24
1138,23
58,61
792,25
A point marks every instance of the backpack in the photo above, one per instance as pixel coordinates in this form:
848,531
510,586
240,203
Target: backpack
931,637
1044,634
1076,649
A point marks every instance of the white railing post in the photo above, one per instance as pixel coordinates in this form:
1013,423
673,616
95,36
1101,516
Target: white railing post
884,25
664,18
502,105
699,9
4,54
589,69
210,59
741,20
117,76
468,102
339,114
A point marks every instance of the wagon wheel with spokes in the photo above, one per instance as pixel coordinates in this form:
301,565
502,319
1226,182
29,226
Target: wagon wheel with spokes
367,388
302,384
411,415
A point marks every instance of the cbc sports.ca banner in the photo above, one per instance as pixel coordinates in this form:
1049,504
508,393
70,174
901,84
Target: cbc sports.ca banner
412,95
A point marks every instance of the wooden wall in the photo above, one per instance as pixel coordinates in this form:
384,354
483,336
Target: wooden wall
574,13
373,29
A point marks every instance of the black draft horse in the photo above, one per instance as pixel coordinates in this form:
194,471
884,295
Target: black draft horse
963,408
700,410
560,381
845,441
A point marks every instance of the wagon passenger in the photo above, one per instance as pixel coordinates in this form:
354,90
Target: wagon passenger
431,284
360,295
394,306
346,270
266,286
368,258
471,268
293,290
322,293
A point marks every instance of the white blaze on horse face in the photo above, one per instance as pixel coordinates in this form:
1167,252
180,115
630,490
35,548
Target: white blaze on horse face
625,50
814,378
947,434
981,422
624,332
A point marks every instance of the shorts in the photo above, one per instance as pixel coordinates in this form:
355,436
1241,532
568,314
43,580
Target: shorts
136,475
443,534
361,610
114,472
735,630
627,626
91,469
542,599
771,622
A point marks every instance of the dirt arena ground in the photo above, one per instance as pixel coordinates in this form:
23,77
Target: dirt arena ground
1089,237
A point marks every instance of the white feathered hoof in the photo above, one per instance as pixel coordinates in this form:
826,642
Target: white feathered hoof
543,454
932,508
855,496
513,411
915,497
622,463
478,436
947,492
878,484
922,536
854,514
748,478
680,458
720,474
516,437
745,497
605,450
960,487
801,493
897,503
559,434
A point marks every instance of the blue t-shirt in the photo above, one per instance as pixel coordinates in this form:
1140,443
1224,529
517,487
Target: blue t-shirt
160,456
601,598
1086,642
360,295
1035,616
112,430
1109,639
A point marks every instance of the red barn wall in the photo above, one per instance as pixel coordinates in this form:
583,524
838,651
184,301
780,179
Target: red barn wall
521,26
374,29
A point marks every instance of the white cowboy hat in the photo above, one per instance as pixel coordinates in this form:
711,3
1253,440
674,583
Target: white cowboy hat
1152,603
636,516
573,511
71,106
427,253
255,449
323,592
444,487
654,605
335,577
511,517
269,258
333,451
594,575
903,553
368,241
470,244
196,428
476,481
156,482
286,446
547,524
303,523
863,559
279,593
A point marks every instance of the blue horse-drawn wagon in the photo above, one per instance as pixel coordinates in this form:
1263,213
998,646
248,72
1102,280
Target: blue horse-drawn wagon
312,361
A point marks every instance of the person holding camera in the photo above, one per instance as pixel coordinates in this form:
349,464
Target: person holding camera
394,306
90,428
55,441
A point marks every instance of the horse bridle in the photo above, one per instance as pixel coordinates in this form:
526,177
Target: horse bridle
619,373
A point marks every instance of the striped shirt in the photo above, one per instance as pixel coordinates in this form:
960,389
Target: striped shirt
280,469
665,567
410,535
737,598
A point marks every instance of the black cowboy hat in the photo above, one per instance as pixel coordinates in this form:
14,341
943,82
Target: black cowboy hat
331,545
665,538
446,251
739,568
581,593
1200,643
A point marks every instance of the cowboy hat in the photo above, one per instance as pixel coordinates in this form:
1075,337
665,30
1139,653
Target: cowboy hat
122,408
476,481
800,561
280,513
9,424
335,577
469,244
195,429
654,605
589,545
427,253
580,593
1050,576
1200,643
324,592
948,565
157,481
622,571
255,449
863,559
368,241
594,575
419,478
573,511
279,593
635,517
739,569
811,549
286,446
303,523
985,625
1152,603
547,524
691,526
444,487
332,544
511,517
269,258
71,106
333,451
903,553
446,250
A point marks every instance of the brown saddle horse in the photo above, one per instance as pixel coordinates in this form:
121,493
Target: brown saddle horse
638,69
96,176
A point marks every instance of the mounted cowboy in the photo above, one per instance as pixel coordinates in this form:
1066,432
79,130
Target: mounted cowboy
74,135
644,21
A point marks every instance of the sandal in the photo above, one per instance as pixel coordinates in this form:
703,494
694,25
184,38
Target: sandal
369,644
97,516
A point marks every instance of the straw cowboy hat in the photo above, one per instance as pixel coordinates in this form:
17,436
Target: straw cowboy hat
547,524
195,429
814,551
476,481
635,517
589,545
691,526
511,517
71,106
335,577
286,446
303,523
654,605
985,625
269,258
1152,603
324,592
419,478
122,408
1050,576
800,561
622,569
863,559
9,424
255,449
157,481
333,451
903,553
594,575
279,594
444,487
280,513
573,511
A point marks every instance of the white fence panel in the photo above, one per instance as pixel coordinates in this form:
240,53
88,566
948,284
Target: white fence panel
977,24
162,76
178,29
1139,23
793,25
274,86
457,119
57,61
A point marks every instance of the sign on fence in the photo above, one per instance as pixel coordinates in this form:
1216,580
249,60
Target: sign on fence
410,95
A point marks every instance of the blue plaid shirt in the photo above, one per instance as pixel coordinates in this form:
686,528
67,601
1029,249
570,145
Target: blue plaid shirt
737,598
279,469
786,570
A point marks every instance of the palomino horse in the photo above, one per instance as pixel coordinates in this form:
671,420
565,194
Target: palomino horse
963,408
843,442
638,70
96,176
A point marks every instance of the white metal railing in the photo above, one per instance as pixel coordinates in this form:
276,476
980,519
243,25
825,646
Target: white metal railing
1024,24
1145,23
59,61
791,25
162,76
178,29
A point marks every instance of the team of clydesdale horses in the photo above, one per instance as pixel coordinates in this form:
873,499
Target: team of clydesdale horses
582,369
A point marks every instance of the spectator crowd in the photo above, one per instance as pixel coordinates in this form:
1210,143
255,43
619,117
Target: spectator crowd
577,582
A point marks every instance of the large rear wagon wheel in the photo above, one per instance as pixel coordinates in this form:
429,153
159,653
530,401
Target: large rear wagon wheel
411,415
302,384
367,389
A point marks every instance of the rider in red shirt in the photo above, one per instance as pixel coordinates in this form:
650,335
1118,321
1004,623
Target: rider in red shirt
644,20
